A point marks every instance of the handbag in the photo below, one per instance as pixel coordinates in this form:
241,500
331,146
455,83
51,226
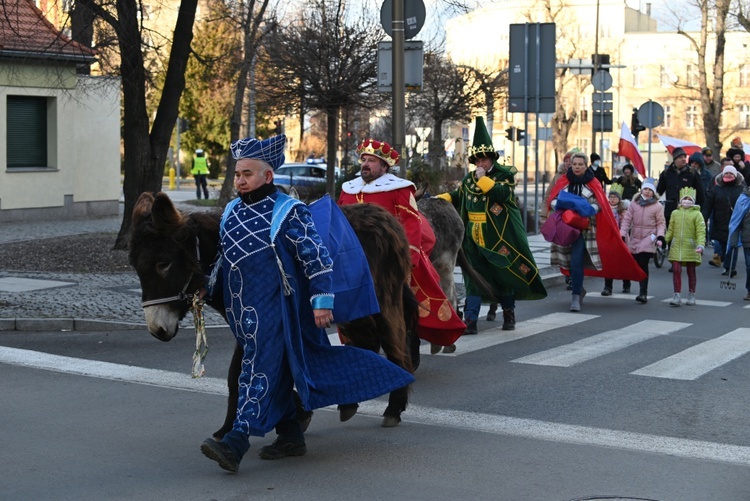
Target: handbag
558,232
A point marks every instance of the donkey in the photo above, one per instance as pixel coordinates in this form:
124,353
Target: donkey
172,254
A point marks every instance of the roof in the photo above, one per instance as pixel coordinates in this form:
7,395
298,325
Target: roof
26,33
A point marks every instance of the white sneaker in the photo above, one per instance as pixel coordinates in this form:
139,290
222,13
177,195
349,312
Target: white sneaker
691,299
676,300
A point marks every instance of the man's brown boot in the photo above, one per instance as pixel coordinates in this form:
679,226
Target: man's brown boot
715,261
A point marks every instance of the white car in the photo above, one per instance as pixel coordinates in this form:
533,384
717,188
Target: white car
300,175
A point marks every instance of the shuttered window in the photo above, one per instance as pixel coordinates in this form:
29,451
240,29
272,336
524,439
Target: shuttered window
27,131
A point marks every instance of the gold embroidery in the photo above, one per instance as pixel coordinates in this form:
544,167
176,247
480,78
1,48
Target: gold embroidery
425,309
445,312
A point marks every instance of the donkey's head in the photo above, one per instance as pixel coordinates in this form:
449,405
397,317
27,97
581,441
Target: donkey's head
164,253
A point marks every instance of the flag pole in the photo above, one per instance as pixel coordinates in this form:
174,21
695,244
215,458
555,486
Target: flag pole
650,130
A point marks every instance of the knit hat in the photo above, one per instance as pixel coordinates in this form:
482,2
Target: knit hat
481,147
594,157
380,149
649,183
729,169
697,158
269,150
688,192
629,167
678,152
616,189
736,142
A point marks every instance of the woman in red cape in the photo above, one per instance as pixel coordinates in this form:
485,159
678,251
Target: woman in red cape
599,251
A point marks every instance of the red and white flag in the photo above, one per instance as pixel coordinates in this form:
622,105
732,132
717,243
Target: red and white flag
628,148
672,142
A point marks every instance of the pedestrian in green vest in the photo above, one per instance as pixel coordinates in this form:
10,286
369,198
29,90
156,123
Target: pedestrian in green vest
200,173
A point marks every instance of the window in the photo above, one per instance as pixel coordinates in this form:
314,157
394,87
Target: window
692,75
27,131
668,116
745,75
666,77
638,75
691,117
744,116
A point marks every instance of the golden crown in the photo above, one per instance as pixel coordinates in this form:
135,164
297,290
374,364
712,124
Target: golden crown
380,149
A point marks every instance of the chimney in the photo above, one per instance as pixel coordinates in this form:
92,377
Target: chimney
648,9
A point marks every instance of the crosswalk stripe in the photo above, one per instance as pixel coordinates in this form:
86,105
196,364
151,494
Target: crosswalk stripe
702,302
601,344
692,363
496,336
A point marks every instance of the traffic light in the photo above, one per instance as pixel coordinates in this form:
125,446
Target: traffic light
510,133
600,62
520,135
635,124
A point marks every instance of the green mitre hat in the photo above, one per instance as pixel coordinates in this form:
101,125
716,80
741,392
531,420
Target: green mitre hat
481,147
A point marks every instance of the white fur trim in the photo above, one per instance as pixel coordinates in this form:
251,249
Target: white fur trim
386,182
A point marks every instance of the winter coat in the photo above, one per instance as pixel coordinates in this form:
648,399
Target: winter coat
739,225
642,221
630,188
720,203
671,181
687,231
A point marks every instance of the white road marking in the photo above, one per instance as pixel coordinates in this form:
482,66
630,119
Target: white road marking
701,302
429,416
496,336
696,361
570,434
601,344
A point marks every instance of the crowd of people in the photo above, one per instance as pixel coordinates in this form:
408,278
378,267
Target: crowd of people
275,271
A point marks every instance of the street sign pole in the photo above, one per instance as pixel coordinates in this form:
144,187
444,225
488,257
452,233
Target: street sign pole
399,97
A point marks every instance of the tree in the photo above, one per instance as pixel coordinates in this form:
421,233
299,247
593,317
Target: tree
145,146
449,92
252,19
328,64
711,92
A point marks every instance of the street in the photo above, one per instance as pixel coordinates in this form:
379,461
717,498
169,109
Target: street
622,400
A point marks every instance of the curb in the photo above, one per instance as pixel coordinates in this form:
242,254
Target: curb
65,324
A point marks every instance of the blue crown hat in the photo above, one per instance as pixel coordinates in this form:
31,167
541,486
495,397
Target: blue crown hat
269,150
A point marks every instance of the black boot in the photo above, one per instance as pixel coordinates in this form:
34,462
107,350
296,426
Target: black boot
509,319
492,314
471,327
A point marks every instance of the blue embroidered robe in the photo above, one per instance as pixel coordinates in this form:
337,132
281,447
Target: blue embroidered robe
273,266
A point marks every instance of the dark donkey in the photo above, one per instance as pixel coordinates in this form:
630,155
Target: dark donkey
172,253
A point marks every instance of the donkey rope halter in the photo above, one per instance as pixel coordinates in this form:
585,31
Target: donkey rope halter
201,342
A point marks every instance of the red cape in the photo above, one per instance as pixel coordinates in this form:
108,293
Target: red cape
617,261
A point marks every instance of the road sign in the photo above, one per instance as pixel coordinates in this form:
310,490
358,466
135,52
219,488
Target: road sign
531,80
606,106
601,80
601,97
413,63
414,16
651,114
602,121
579,66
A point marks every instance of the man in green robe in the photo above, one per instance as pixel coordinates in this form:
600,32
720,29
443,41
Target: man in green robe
495,241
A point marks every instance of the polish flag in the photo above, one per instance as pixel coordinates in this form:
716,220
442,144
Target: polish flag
672,142
628,148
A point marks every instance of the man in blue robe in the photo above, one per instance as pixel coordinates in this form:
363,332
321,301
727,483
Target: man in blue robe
276,275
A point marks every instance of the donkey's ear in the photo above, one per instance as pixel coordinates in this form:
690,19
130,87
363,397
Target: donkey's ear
165,216
142,209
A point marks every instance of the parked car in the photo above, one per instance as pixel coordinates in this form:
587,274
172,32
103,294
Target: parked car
301,175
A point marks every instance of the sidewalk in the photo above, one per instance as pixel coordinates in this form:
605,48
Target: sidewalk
101,301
